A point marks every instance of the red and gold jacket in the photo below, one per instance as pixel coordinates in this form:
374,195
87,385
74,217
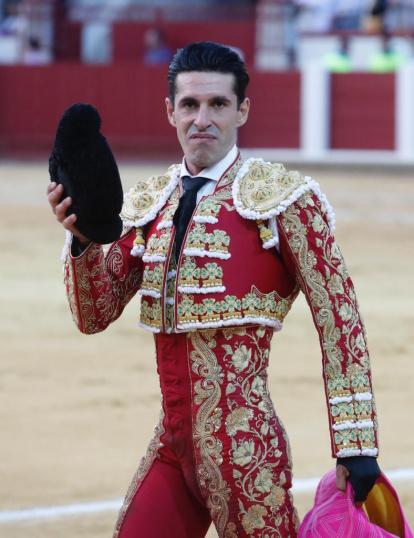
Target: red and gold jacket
229,273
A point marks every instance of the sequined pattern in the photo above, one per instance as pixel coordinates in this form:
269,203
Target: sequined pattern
243,451
99,287
330,293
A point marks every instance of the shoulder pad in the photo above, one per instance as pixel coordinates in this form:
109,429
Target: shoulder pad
263,190
146,198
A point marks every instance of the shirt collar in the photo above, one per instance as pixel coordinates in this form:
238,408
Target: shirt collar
216,171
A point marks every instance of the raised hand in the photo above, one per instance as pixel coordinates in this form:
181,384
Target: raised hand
59,208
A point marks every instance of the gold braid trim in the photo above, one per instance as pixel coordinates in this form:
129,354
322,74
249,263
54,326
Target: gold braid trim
325,281
142,471
208,421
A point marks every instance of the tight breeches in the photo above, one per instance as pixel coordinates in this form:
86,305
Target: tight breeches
219,452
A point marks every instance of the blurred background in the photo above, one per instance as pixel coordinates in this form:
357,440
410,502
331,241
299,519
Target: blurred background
327,76
332,92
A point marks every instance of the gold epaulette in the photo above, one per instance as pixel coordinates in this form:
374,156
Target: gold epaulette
263,190
146,198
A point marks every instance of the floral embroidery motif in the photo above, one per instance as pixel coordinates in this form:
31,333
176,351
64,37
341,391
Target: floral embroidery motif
208,421
171,287
151,314
342,412
201,243
259,449
197,237
211,275
256,446
338,385
153,278
325,281
265,185
93,273
207,211
203,278
363,410
189,273
157,247
253,518
237,421
254,306
219,241
146,198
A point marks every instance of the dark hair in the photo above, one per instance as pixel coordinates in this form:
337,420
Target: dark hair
209,57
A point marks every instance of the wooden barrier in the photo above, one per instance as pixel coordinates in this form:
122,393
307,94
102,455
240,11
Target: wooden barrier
363,111
130,98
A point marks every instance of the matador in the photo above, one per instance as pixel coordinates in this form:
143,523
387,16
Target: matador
255,236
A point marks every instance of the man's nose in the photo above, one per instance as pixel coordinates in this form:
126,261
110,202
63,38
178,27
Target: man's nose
202,120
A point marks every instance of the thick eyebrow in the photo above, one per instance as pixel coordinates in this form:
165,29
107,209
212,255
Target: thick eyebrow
187,101
216,99
221,99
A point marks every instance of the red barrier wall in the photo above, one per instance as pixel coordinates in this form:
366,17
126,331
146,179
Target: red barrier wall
128,37
130,99
363,111
274,120
32,99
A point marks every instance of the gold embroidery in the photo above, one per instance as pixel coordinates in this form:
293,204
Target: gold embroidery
70,291
266,185
168,212
145,196
153,278
139,240
151,313
208,421
254,304
219,241
94,282
170,288
144,466
326,280
189,273
80,266
208,276
228,178
158,245
208,208
256,436
253,518
198,239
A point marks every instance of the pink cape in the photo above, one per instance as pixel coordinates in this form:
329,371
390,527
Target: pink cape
334,514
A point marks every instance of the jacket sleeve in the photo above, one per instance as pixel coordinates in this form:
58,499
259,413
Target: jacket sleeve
311,253
99,286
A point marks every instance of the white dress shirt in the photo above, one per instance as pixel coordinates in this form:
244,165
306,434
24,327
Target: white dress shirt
214,173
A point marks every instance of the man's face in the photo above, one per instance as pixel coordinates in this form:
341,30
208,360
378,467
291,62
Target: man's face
206,117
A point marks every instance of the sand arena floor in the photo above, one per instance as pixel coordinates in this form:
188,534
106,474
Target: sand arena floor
77,411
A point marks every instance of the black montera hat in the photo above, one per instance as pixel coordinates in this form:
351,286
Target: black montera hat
82,161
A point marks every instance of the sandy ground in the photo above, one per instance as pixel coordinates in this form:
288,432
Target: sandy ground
76,412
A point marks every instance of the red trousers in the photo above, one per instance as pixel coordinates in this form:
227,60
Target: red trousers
219,452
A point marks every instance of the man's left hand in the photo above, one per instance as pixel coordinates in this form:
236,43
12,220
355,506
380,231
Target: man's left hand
362,471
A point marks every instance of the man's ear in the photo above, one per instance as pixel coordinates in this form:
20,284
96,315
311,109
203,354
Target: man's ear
243,112
170,111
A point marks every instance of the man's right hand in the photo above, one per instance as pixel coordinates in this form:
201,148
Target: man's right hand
54,194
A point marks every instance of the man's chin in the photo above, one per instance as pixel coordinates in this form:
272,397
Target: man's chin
203,159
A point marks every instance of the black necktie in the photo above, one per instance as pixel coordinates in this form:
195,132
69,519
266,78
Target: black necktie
185,209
